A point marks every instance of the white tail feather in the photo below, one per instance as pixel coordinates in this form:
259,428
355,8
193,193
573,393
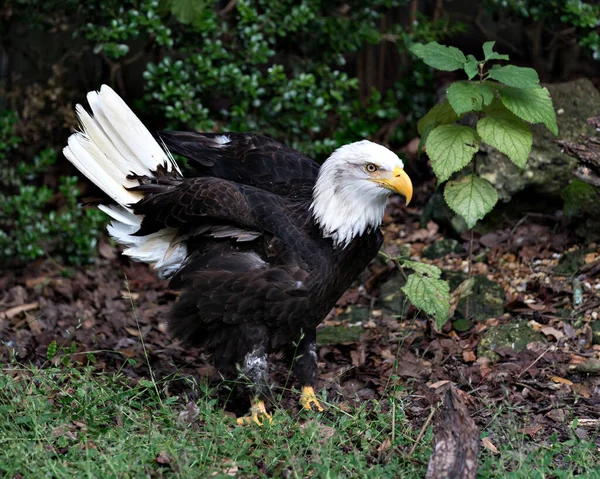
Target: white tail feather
114,143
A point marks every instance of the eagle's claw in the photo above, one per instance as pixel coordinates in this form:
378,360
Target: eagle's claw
308,399
258,415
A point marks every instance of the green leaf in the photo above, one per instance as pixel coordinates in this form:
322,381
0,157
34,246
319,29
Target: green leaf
429,294
469,96
471,197
51,351
439,56
440,114
187,11
450,148
471,67
422,268
489,54
531,104
508,134
518,77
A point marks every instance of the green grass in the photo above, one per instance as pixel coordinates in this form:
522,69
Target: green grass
73,422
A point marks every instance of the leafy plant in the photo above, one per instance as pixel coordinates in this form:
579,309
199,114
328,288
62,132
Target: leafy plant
503,98
581,17
256,65
29,226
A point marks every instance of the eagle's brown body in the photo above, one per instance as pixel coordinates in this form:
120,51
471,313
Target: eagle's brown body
274,287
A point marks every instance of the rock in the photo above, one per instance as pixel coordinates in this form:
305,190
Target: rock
485,301
570,262
596,332
338,334
548,168
515,335
441,248
357,314
391,296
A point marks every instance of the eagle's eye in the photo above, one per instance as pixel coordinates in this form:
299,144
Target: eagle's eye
371,167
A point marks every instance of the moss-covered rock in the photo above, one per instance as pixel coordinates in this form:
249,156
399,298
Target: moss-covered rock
596,332
548,168
570,262
485,299
338,334
391,296
441,248
516,336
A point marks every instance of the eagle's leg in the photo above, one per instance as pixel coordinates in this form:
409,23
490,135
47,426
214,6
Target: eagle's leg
256,370
305,368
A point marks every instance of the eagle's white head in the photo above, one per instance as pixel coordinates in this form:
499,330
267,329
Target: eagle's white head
352,188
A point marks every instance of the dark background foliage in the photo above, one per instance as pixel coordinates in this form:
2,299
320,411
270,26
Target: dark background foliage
312,73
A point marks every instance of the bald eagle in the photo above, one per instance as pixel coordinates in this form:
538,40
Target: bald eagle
259,238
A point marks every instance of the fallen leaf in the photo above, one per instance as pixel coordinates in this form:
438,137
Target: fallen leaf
385,445
558,379
132,331
230,468
532,430
469,356
582,390
189,414
438,384
589,423
536,307
487,443
33,282
550,331
14,311
130,295
163,459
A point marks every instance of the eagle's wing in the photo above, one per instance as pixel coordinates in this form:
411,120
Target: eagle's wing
246,158
260,279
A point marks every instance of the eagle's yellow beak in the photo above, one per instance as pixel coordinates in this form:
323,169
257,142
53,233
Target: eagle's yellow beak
397,181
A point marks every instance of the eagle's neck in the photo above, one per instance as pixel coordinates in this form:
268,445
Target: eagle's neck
344,206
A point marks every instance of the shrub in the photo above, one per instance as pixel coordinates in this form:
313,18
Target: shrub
29,226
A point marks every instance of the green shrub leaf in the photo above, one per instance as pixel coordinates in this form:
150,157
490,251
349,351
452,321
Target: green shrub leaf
489,54
508,134
531,104
439,56
440,114
518,77
469,96
422,268
450,148
471,67
471,197
429,294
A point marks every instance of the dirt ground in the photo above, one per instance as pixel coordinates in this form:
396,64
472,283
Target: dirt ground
549,384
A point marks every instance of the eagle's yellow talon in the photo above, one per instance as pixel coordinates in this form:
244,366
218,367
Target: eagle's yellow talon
258,415
308,399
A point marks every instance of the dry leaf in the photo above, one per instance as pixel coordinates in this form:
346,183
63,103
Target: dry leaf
14,311
469,356
582,390
487,443
132,331
589,423
163,459
558,379
385,445
532,430
550,331
438,384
